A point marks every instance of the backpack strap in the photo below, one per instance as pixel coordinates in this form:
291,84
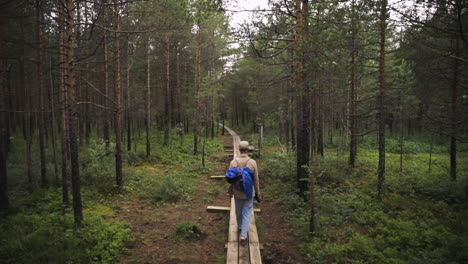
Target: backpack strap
245,165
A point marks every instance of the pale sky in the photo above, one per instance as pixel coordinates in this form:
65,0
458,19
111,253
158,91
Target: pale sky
238,5
241,16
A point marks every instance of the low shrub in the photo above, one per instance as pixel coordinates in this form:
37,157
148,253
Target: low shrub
170,189
52,238
189,231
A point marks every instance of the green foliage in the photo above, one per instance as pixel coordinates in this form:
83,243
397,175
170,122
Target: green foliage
411,145
419,220
189,231
97,165
50,237
171,189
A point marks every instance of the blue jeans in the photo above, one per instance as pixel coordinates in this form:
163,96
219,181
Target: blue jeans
243,214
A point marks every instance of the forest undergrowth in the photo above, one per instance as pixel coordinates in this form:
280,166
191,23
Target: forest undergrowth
420,219
40,228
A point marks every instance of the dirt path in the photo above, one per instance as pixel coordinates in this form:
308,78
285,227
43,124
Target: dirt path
154,226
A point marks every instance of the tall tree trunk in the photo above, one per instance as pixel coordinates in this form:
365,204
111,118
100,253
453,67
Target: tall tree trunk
148,99
73,116
63,69
454,113
177,92
53,121
106,93
63,103
27,122
167,105
129,120
117,95
353,93
197,90
40,85
4,200
302,100
382,97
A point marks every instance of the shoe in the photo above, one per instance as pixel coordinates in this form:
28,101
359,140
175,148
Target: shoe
243,241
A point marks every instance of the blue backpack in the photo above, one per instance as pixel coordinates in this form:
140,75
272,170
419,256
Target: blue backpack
242,178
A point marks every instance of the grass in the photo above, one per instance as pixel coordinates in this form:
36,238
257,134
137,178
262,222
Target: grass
421,218
41,230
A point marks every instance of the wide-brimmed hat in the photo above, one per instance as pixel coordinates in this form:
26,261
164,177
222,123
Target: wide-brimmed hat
243,145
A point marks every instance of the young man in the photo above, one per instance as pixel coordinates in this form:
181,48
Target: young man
244,205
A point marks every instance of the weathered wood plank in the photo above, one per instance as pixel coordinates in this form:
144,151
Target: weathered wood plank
254,242
233,239
217,177
223,209
244,254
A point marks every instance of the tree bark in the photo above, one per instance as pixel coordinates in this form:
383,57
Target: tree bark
197,90
382,99
73,116
148,99
63,104
129,120
117,95
454,113
53,123
302,100
4,200
40,85
167,104
106,93
353,94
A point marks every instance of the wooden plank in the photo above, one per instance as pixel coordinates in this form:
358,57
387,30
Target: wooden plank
254,242
244,254
217,177
233,241
217,209
220,209
260,244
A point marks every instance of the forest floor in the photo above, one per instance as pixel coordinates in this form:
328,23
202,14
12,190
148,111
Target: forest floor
155,225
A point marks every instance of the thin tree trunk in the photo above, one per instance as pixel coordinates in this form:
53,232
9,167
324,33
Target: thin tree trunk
54,125
177,88
87,122
353,94
454,114
302,101
167,105
197,100
106,93
117,95
148,99
27,123
4,200
129,120
40,85
63,104
382,95
73,116
401,133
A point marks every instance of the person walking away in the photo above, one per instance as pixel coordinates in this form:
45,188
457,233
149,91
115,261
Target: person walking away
244,204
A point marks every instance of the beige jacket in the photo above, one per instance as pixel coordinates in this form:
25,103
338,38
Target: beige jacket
241,162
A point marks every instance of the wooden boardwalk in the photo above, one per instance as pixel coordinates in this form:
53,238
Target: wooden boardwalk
236,253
